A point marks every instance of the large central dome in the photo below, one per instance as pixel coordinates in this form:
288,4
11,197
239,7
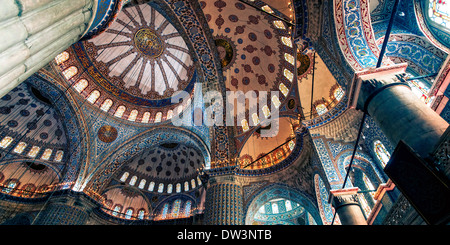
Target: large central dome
137,66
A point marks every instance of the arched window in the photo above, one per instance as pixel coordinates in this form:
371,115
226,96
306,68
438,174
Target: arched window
81,85
286,41
369,185
47,153
6,141
146,117
60,58
120,111
70,72
20,147
279,24
276,102
381,152
34,151
128,213
93,96
165,211
142,184
106,105
124,176
151,186
266,111
284,90
176,208
141,214
10,184
321,109
59,156
338,93
187,208
169,188
439,12
133,115
116,210
160,187
133,180
158,117
244,124
289,58
193,183
274,208
169,114
288,74
186,186
255,119
178,187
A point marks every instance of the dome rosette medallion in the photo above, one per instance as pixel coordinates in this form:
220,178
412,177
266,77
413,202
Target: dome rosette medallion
135,68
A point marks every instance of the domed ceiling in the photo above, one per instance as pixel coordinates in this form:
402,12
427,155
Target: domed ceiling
166,168
136,66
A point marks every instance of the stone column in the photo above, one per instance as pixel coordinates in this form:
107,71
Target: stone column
345,202
33,32
224,203
65,210
388,99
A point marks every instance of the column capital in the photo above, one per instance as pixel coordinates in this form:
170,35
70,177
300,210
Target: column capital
366,82
343,197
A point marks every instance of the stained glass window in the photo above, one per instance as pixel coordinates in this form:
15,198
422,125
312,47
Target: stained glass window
193,183
106,105
286,41
439,12
169,114
128,213
288,74
291,145
81,85
267,9
274,208
321,109
255,119
369,185
283,89
93,96
124,176
289,58
133,115
116,210
266,111
59,155
186,186
276,102
176,208
338,93
133,180
11,184
146,117
187,208
288,205
151,186
169,188
47,153
70,72
279,24
142,184
160,187
141,214
381,152
165,211
34,151
20,147
158,117
6,141
60,58
178,187
120,110
244,125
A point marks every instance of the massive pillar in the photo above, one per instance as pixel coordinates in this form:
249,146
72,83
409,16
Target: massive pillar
33,32
224,203
387,98
68,209
345,202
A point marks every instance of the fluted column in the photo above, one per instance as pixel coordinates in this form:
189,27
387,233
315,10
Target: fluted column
224,204
33,32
